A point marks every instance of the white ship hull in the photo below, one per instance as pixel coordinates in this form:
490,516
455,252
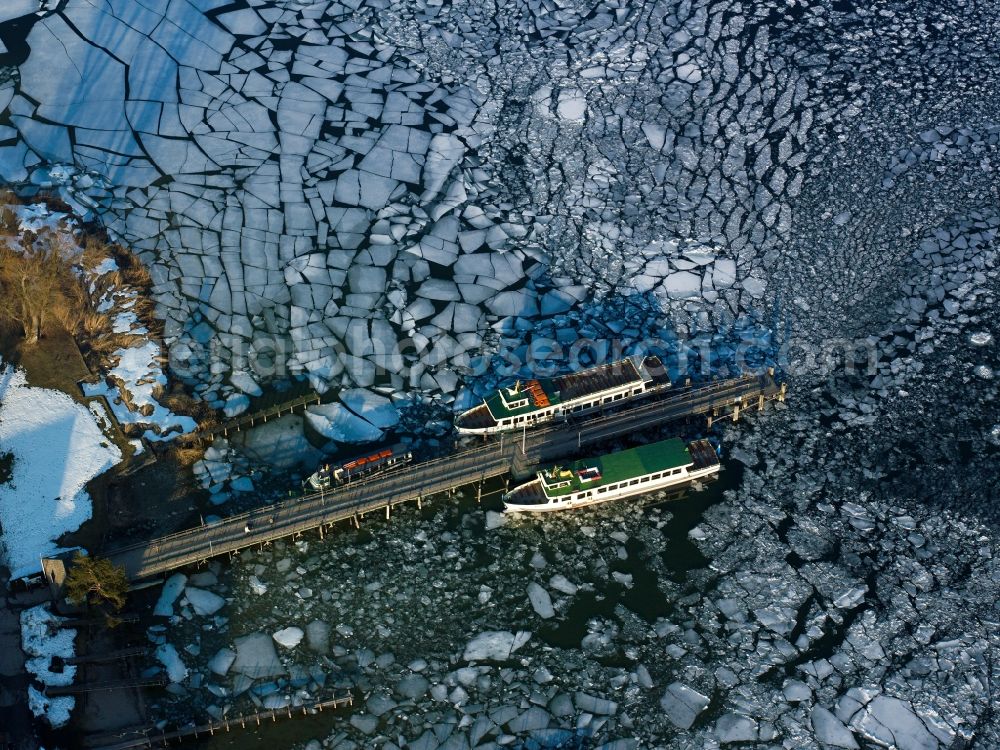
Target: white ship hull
593,497
581,399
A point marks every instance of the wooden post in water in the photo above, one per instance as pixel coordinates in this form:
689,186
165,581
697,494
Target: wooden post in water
420,502
387,512
760,402
736,413
479,492
709,421
781,394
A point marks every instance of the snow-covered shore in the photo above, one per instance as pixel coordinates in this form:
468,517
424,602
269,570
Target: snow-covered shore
58,448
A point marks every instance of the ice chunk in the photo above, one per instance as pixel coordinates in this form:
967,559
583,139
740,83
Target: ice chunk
167,656
243,22
245,382
413,686
683,285
256,657
755,287
16,8
892,722
594,705
203,602
241,484
736,728
376,409
540,601
724,273
318,636
289,637
495,645
655,133
830,730
336,422
171,590
851,598
683,704
257,586
572,105
367,279
222,661
562,584
280,442
446,151
796,690
532,720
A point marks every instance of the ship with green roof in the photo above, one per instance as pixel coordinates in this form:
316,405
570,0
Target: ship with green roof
618,475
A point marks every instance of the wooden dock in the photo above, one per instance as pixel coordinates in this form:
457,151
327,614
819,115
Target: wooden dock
151,737
514,454
92,687
247,421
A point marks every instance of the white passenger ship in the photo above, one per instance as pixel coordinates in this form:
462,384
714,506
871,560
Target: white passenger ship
535,401
618,475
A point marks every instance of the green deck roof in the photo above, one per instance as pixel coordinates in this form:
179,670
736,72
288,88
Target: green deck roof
499,410
627,464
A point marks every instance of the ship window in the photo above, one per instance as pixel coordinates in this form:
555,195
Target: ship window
602,489
634,481
656,476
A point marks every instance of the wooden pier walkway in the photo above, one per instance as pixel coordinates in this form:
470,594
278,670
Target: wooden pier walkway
514,453
247,421
94,687
152,737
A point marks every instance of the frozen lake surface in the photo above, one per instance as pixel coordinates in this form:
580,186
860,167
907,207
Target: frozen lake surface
376,195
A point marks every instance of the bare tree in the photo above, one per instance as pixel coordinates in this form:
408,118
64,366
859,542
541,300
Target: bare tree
37,283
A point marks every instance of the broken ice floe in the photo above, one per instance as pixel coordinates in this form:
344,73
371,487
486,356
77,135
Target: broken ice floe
378,239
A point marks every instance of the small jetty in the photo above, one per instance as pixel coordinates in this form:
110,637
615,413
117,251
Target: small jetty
151,737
